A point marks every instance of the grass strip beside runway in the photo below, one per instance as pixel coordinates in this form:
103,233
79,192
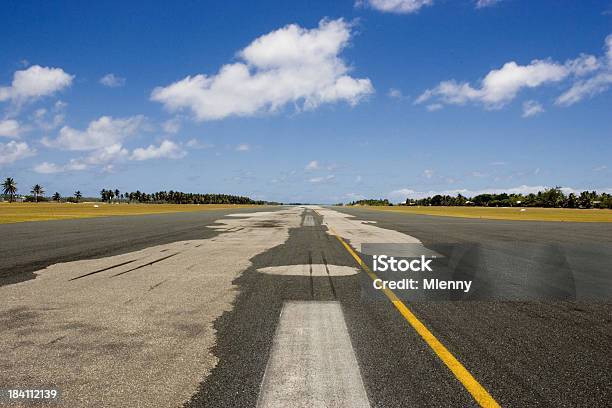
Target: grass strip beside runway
22,212
505,213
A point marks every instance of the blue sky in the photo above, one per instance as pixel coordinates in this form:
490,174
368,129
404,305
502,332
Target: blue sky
305,100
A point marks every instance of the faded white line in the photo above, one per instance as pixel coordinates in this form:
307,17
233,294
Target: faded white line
312,363
360,232
309,270
309,221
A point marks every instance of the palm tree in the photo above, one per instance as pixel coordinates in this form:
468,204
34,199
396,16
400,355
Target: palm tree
38,191
77,195
10,188
117,194
57,197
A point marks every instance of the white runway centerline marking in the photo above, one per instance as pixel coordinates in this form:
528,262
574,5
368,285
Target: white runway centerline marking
312,363
309,221
310,270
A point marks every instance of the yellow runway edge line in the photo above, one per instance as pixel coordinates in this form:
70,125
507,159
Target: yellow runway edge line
481,395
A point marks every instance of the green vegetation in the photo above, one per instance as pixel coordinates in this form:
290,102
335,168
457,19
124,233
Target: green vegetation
38,191
551,198
9,188
372,202
109,195
174,197
548,205
37,207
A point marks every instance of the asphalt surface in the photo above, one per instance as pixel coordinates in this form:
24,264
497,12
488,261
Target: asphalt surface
515,260
550,347
29,246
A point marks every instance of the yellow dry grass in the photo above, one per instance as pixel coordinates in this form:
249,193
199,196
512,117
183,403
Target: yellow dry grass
510,213
22,212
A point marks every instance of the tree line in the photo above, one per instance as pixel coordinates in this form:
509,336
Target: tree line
549,198
372,202
9,191
174,197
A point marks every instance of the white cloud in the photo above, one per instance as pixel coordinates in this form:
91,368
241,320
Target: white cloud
291,65
598,83
52,168
312,165
102,132
396,6
321,179
591,75
76,165
243,147
354,196
112,81
53,122
532,108
395,93
401,194
10,128
47,168
428,173
103,158
587,88
107,154
35,82
172,125
583,65
486,3
499,86
196,144
166,150
434,107
12,151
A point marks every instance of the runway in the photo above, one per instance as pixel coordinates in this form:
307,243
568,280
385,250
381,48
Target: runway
266,307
